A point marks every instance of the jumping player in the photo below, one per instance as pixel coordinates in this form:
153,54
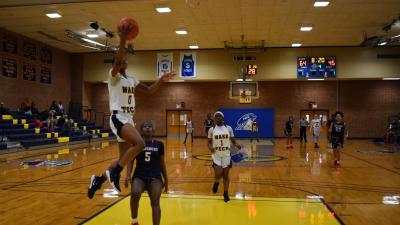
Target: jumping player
316,129
150,167
289,132
219,142
121,89
337,131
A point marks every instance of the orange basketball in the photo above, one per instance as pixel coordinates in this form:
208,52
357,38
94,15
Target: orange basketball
131,25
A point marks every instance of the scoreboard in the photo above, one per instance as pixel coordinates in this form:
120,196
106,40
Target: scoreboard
251,70
316,67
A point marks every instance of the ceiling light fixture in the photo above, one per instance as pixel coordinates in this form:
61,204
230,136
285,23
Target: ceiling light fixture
296,44
391,78
306,27
163,9
53,14
397,36
193,46
92,34
382,43
181,32
321,3
93,42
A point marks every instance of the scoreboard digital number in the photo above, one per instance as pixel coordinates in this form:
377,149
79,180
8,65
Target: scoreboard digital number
251,70
316,67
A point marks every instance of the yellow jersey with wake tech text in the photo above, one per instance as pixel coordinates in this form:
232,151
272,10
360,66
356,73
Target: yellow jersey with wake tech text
122,93
221,139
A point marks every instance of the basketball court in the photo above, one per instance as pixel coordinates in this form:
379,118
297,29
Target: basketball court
254,60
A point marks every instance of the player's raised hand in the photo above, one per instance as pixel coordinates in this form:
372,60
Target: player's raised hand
168,76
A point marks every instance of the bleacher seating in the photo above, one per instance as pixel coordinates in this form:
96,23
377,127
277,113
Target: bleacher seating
20,129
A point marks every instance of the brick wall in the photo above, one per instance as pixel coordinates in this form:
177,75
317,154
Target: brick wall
14,91
366,104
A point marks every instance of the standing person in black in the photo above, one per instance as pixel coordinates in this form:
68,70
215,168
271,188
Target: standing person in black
289,132
254,132
150,174
337,130
303,129
208,123
328,124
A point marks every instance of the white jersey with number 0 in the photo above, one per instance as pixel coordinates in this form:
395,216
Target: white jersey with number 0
122,93
316,124
220,136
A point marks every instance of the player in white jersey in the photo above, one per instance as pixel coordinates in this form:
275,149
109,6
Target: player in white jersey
121,89
316,129
189,130
220,138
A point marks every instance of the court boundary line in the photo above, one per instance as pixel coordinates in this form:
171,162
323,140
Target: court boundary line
371,163
321,200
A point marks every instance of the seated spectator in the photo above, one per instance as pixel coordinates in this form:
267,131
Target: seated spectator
33,108
60,108
51,120
3,110
66,129
25,105
38,123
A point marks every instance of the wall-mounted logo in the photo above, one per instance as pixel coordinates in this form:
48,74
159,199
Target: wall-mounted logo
50,163
244,122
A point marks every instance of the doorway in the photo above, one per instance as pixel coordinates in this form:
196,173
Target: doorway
176,123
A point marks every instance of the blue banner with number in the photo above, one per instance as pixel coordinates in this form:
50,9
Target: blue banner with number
188,64
241,119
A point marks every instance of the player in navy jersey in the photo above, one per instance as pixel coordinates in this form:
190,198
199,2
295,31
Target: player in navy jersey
150,174
289,132
337,130
121,88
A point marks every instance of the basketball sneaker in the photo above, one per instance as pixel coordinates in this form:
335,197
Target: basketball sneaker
226,196
114,176
215,187
95,184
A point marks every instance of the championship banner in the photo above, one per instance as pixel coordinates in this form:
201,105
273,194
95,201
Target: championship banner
241,119
29,50
164,63
187,64
45,75
29,72
10,44
9,67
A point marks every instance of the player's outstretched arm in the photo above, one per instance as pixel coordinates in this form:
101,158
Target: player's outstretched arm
153,87
120,56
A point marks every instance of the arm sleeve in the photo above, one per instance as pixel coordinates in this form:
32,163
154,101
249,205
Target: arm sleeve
230,131
161,149
112,79
137,82
210,132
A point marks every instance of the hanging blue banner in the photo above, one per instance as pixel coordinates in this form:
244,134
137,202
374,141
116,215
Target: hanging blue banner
241,120
188,64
